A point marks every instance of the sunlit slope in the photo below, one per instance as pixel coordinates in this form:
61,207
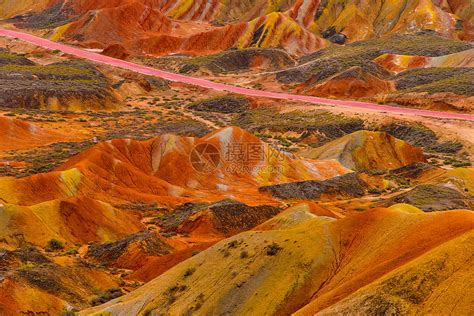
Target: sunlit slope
79,220
399,63
365,19
435,283
10,8
319,262
16,134
162,170
363,150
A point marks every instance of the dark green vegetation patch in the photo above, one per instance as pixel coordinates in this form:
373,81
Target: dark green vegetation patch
420,136
6,58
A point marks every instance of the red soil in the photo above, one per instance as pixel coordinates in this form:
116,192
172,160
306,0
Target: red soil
16,134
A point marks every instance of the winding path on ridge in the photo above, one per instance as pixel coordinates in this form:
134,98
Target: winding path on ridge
98,58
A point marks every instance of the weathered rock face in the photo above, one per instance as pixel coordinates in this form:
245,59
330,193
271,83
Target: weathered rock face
70,85
10,8
364,150
116,51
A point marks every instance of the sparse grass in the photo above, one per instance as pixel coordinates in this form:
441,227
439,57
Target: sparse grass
108,295
189,272
459,164
273,249
434,80
222,104
54,245
61,69
10,56
374,191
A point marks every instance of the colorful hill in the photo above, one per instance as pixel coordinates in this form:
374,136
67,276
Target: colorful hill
320,264
364,150
76,220
127,194
399,63
17,134
165,171
204,27
36,283
10,8
159,35
351,83
161,170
